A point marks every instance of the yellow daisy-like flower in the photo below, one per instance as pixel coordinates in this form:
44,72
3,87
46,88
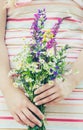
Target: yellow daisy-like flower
48,35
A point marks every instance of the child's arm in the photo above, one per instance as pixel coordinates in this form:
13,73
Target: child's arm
75,78
19,105
4,63
54,93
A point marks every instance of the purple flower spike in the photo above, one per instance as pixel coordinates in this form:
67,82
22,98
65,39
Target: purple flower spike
36,16
39,11
50,44
57,25
59,20
38,25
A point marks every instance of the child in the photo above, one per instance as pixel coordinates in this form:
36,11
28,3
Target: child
17,19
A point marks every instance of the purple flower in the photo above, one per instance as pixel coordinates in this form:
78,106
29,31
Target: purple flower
51,70
57,25
52,78
50,44
38,54
37,16
55,73
57,67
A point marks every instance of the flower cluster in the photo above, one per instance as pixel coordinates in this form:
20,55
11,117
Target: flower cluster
39,62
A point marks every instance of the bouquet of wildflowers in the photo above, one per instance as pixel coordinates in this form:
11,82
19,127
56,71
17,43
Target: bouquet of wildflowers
39,62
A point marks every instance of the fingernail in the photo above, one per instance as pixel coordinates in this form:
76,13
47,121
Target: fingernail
43,117
40,124
35,92
36,103
34,100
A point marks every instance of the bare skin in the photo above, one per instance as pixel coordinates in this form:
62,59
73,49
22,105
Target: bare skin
19,105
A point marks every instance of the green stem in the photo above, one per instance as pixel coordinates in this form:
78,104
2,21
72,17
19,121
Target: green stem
42,109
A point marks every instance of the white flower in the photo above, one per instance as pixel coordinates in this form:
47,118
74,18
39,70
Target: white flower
27,79
42,61
50,52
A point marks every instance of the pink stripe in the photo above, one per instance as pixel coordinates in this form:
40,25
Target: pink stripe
68,19
64,120
78,91
10,30
6,118
17,20
56,38
49,18
1,96
70,38
73,99
48,119
72,57
18,37
21,4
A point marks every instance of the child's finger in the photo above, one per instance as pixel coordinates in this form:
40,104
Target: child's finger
31,117
55,101
43,88
35,110
48,99
16,117
25,120
48,92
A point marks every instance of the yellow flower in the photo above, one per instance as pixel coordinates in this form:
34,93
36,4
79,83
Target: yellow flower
47,35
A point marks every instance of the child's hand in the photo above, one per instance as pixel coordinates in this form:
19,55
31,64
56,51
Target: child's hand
49,93
21,108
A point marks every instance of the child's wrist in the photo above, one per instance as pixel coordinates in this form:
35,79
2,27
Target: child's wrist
6,86
67,86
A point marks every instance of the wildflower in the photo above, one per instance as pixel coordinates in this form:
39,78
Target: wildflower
50,44
55,73
37,25
48,35
28,79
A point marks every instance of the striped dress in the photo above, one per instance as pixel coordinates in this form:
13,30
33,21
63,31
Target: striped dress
68,114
